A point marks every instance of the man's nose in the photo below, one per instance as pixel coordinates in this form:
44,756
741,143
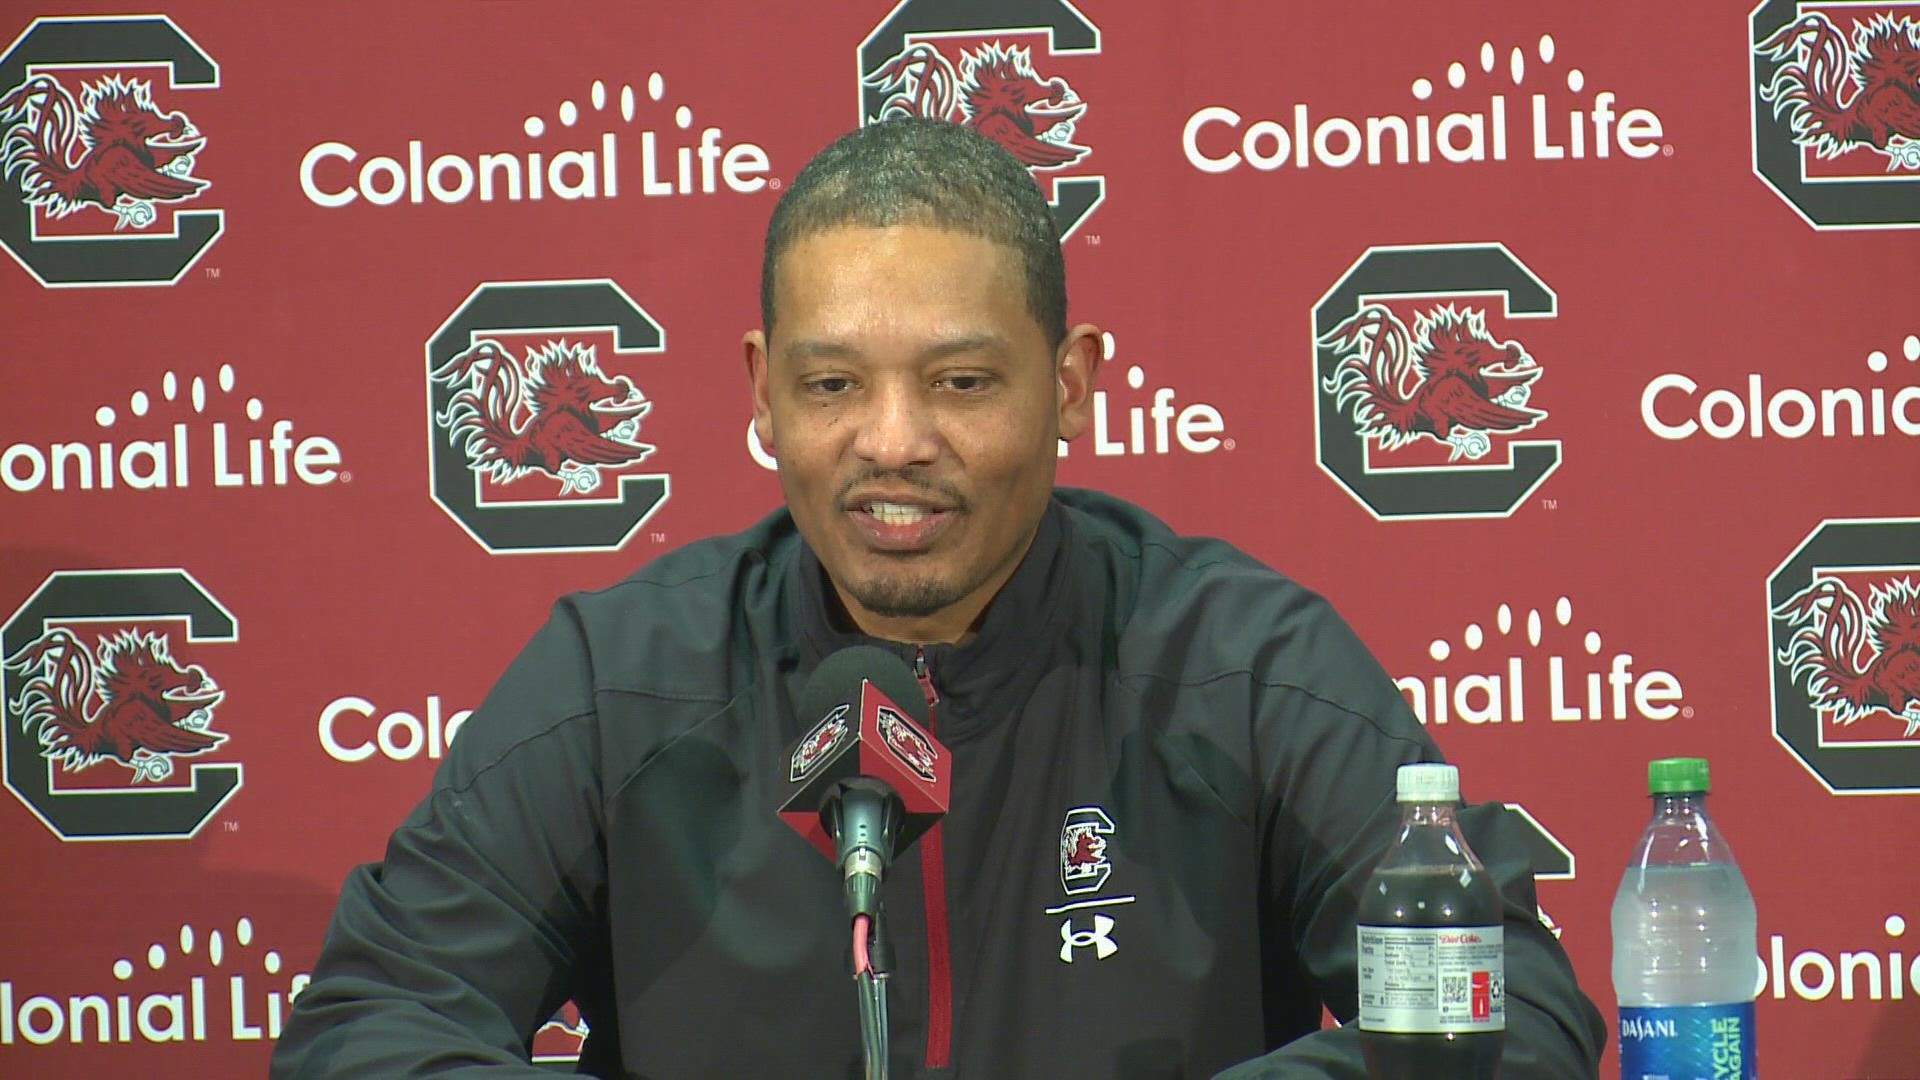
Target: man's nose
898,428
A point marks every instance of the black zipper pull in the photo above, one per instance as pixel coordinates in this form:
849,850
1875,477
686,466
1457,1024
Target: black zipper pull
925,675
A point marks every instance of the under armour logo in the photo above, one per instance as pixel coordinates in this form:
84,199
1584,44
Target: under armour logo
1099,937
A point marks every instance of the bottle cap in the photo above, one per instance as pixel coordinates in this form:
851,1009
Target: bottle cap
1428,784
1677,776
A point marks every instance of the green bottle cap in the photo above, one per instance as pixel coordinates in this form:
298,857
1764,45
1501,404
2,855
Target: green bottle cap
1677,776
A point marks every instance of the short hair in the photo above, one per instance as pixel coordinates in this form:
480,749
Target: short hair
914,171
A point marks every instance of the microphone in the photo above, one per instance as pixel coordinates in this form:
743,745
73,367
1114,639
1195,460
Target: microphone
866,780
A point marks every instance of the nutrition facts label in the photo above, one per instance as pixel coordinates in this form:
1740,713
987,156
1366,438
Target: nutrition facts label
1418,978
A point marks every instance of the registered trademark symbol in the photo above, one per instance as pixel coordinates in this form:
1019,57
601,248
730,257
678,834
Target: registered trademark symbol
1686,712
773,184
346,478
1228,444
1667,150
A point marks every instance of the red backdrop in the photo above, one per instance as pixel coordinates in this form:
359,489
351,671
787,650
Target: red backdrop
254,258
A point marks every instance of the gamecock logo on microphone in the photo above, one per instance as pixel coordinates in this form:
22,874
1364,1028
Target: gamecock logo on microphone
97,159
912,748
1845,623
819,744
1836,110
991,68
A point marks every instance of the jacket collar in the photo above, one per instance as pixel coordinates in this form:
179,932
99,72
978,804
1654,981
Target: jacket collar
990,676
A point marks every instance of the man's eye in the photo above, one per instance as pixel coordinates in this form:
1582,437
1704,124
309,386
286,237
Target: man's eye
967,383
829,385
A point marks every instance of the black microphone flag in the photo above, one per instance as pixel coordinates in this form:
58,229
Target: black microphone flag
869,720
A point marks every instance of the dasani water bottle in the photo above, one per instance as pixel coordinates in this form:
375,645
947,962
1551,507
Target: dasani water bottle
1684,970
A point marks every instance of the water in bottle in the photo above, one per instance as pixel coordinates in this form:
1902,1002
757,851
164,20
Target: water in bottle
1684,968
1432,958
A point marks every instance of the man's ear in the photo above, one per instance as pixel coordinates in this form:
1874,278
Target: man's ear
1075,365
755,347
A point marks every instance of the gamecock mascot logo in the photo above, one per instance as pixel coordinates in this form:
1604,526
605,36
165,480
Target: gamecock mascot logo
561,1037
907,744
558,415
1839,97
995,92
1084,836
1859,660
819,743
1448,380
133,704
115,151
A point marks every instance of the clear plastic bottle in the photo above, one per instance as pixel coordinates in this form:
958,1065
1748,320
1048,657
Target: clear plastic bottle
1684,968
1432,960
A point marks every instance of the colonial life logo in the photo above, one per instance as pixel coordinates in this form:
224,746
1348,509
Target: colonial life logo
216,439
1674,406
99,157
1860,970
581,161
1583,122
350,733
1424,381
1836,116
535,445
1537,666
993,67
1844,616
105,698
162,996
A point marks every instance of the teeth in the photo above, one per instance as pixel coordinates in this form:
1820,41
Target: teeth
896,513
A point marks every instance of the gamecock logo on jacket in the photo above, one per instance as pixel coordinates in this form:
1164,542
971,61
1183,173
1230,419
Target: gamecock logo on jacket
1421,422
1084,836
1845,619
1836,110
103,703
98,162
536,445
990,66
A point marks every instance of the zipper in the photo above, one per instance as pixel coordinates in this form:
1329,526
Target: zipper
933,882
925,675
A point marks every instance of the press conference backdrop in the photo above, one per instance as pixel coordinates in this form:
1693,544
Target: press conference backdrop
1572,350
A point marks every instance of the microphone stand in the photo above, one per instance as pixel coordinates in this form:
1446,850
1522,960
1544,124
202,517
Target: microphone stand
870,987
864,818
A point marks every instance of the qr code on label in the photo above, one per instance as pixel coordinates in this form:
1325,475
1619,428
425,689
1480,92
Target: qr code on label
1454,989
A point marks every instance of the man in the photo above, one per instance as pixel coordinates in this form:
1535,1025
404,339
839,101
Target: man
605,829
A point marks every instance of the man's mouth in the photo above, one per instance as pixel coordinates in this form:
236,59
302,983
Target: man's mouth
901,527
891,513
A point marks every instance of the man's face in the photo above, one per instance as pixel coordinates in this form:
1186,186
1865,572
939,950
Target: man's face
913,403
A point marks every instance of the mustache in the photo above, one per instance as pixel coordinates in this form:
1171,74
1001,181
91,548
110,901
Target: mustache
932,490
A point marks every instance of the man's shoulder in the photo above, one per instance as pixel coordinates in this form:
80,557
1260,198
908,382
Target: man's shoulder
669,622
710,563
1164,566
1197,609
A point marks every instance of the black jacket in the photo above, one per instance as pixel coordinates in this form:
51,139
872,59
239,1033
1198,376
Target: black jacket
604,829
